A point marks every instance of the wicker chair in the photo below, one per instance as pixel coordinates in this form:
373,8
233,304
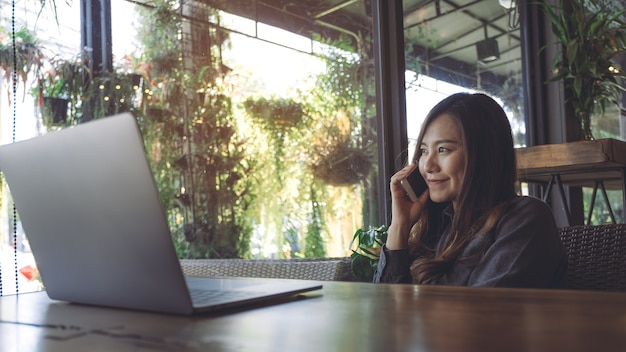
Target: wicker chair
596,255
322,269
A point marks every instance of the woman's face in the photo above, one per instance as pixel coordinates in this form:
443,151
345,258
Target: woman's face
442,159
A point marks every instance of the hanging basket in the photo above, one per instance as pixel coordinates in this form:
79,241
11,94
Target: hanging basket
164,64
159,114
55,111
276,114
343,165
135,80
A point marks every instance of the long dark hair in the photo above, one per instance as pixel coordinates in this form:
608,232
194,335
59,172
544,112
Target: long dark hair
488,185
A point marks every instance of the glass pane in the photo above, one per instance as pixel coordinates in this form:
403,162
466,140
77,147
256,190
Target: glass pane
462,46
258,124
260,127
38,42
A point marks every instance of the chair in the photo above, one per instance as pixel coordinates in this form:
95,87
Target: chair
322,269
596,255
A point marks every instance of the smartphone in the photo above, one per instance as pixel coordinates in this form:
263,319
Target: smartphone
414,185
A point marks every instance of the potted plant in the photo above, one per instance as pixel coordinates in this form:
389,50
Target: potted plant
54,98
591,35
28,55
63,87
364,258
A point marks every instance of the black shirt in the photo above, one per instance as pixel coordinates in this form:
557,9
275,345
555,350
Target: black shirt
522,250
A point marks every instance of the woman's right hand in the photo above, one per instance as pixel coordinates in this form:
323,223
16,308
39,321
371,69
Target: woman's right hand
404,212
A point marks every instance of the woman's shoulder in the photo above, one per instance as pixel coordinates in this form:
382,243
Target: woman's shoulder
528,202
529,208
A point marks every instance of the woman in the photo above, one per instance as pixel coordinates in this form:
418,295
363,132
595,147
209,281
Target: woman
469,227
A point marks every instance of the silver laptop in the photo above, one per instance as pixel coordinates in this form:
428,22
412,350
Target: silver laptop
89,205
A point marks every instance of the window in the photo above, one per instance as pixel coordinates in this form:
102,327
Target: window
260,127
37,34
462,46
272,151
250,109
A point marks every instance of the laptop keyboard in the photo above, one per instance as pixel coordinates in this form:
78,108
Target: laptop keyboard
205,297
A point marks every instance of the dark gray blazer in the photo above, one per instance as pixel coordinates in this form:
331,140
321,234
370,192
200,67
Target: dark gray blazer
523,250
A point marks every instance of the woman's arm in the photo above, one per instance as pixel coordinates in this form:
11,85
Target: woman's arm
393,267
394,262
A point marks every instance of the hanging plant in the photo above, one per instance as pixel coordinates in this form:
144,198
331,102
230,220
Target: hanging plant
55,111
342,164
164,64
591,37
27,57
276,114
283,119
61,90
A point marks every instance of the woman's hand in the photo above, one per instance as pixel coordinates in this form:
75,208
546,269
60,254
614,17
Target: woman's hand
404,212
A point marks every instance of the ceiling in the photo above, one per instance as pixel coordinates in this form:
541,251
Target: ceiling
445,34
440,35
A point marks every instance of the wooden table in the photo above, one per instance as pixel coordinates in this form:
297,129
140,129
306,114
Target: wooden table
343,316
599,164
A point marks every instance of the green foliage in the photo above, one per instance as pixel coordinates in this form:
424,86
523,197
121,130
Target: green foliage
29,57
413,56
64,79
277,113
342,164
314,242
199,158
343,101
601,213
111,93
342,85
283,119
591,37
365,257
220,192
202,166
90,95
159,34
289,204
